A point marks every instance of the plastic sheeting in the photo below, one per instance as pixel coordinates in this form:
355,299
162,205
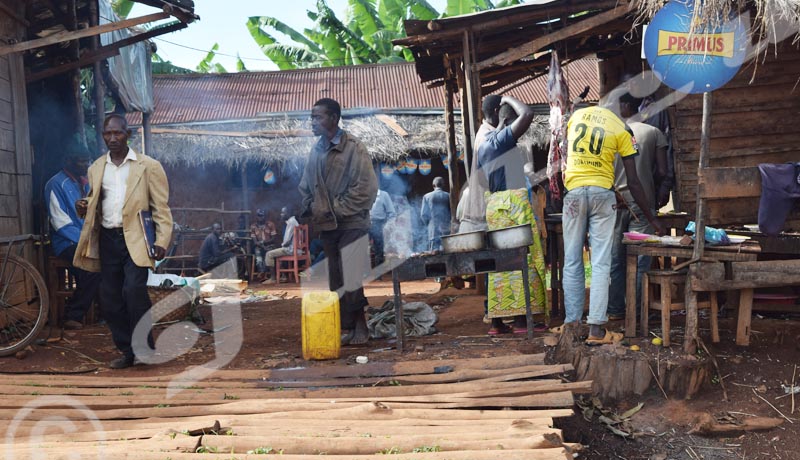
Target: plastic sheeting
128,69
419,319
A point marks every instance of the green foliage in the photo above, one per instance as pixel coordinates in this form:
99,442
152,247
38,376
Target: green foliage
122,8
364,36
422,449
207,65
264,451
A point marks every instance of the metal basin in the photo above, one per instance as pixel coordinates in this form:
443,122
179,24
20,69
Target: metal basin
464,242
511,237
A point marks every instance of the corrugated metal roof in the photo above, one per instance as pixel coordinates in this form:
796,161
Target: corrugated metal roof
235,96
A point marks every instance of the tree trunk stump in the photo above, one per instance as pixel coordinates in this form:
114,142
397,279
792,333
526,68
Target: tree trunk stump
617,372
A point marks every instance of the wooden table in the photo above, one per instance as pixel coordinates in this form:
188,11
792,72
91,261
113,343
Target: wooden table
555,254
727,254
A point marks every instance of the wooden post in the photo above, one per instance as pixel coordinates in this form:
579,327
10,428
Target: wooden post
452,154
147,135
472,86
99,86
466,122
245,196
690,339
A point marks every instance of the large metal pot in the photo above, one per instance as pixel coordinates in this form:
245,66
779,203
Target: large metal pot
511,237
464,242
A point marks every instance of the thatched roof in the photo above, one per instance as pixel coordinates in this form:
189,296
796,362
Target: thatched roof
772,17
426,137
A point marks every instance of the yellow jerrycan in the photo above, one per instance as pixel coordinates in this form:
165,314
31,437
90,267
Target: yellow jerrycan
321,327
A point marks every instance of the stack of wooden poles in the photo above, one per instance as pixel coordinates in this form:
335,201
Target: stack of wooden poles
436,409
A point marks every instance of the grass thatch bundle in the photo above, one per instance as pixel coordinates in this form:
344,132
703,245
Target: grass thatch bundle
772,18
281,141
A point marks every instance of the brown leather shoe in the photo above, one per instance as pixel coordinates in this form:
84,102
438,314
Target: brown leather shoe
72,325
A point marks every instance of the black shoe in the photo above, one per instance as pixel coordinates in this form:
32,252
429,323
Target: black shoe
72,325
122,362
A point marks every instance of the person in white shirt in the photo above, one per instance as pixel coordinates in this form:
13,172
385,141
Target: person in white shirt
287,246
382,211
122,184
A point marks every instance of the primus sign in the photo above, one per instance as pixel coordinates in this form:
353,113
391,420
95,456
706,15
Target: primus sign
690,56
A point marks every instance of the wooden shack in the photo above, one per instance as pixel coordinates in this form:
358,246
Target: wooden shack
751,118
16,159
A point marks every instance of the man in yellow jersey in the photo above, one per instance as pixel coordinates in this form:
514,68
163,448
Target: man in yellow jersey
595,135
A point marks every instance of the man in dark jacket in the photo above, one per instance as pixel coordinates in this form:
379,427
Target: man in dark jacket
338,188
435,214
212,252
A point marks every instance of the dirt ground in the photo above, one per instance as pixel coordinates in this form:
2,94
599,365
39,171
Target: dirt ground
753,376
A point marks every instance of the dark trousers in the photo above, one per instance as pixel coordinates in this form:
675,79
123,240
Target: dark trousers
347,252
123,292
86,285
376,233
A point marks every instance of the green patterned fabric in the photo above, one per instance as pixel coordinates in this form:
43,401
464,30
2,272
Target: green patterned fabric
505,292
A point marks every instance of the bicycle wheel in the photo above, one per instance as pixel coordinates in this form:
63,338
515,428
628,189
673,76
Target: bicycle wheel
24,304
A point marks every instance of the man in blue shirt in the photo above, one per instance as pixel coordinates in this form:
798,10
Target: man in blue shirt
382,210
435,214
511,118
60,194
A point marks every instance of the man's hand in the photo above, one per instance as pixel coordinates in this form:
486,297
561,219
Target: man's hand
662,197
81,206
658,226
159,252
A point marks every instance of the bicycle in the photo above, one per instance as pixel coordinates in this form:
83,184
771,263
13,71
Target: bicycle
24,300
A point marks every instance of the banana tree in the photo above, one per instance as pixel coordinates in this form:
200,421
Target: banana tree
365,36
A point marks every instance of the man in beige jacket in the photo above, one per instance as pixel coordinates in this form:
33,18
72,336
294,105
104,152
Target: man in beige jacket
123,183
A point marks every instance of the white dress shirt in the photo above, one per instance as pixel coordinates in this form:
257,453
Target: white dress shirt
115,184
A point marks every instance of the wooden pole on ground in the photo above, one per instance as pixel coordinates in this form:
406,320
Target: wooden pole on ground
690,338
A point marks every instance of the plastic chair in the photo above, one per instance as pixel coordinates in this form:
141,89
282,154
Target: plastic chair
300,258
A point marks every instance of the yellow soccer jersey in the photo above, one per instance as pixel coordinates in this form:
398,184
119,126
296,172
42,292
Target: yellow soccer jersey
594,136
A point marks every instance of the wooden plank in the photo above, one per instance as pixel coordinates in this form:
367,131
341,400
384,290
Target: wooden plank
24,154
389,369
8,182
13,14
105,52
262,133
369,445
9,226
74,35
515,54
392,124
8,206
730,182
6,144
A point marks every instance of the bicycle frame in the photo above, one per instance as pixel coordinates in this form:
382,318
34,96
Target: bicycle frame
9,242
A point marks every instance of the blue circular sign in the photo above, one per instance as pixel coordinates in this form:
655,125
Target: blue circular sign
693,59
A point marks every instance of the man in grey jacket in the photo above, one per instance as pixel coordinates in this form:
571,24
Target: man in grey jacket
338,188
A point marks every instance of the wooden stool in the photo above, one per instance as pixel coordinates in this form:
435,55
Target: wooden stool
61,286
659,287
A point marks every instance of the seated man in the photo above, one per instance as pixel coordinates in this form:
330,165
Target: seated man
287,246
212,252
60,194
264,235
